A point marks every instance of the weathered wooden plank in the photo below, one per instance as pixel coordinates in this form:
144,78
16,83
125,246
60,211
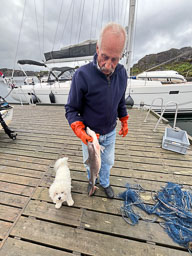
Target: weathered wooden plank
27,126
121,154
18,179
81,187
96,221
12,200
21,171
72,139
47,211
39,148
4,228
139,160
139,126
36,154
101,204
16,188
15,247
26,165
128,168
83,241
67,132
146,184
75,159
25,159
156,161
111,224
155,152
120,177
129,150
8,213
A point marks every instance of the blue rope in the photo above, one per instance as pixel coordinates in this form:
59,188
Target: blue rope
171,203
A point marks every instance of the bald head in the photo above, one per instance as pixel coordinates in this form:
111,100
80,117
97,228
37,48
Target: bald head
110,47
113,31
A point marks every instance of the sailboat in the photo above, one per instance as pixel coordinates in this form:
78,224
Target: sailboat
141,92
55,88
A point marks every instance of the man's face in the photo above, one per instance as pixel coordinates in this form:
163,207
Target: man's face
109,52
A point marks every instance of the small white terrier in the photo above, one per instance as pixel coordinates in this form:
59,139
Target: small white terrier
60,190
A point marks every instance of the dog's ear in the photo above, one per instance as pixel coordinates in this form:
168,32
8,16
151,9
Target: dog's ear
65,159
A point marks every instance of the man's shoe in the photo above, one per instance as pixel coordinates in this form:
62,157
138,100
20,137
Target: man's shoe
109,192
90,191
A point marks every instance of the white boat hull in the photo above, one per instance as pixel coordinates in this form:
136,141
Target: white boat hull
60,90
142,92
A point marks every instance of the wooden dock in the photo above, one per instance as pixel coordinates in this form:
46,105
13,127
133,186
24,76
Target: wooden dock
29,222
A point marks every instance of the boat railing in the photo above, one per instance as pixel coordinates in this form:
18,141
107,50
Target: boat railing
161,116
152,106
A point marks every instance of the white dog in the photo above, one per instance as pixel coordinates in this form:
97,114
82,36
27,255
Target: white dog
60,190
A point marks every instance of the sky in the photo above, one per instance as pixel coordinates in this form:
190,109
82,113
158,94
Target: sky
30,27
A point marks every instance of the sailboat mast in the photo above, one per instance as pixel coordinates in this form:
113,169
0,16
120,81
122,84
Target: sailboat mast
130,31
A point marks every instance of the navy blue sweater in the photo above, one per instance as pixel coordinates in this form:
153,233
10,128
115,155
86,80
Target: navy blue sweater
96,100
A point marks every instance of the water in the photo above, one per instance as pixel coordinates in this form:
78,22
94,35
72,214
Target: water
182,123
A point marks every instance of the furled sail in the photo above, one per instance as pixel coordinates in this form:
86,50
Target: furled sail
31,62
84,49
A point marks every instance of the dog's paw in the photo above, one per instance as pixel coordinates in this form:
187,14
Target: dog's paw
70,203
57,206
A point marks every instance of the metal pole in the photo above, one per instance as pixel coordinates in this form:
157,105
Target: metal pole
130,30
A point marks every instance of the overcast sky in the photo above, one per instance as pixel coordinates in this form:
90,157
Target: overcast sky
30,27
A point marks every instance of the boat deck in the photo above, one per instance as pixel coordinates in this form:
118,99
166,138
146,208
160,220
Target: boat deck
29,222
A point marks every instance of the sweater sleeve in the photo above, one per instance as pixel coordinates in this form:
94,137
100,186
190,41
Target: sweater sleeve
75,101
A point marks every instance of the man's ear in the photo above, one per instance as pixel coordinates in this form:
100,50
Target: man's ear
97,49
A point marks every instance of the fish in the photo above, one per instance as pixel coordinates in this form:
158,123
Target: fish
94,159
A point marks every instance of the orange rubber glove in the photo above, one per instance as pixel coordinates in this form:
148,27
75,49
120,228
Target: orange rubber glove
79,129
98,135
124,126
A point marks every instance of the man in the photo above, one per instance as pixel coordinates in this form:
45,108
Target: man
97,98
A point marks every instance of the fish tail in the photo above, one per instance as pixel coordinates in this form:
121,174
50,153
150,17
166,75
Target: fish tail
92,191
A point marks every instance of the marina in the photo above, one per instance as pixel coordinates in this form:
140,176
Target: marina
184,121
30,224
168,85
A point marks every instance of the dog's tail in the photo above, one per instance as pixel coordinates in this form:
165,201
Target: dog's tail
60,161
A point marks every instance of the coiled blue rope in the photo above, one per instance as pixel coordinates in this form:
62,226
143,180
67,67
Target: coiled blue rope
171,203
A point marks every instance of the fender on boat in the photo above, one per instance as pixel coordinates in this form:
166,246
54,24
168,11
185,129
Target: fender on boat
34,99
129,101
52,97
